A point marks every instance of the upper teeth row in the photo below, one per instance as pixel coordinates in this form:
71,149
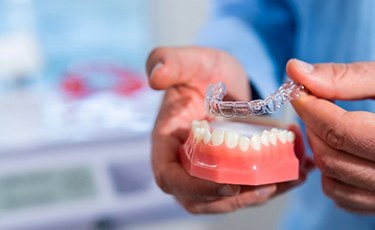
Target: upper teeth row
231,139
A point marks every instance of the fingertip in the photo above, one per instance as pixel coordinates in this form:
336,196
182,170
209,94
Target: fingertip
292,70
300,103
155,67
229,190
303,67
300,71
183,185
156,76
290,66
156,56
266,191
163,68
162,76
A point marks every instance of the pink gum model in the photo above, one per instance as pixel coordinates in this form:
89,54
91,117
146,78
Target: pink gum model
225,156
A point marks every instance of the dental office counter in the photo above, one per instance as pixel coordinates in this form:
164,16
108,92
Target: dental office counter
79,187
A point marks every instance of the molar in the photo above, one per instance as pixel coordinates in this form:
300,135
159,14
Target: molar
199,134
290,136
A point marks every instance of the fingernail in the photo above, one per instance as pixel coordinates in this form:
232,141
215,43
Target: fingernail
265,191
157,66
304,66
229,190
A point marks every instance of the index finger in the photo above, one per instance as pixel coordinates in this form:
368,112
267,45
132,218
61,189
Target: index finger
335,81
352,132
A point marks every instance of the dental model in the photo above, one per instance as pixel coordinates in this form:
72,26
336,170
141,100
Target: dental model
248,156
229,109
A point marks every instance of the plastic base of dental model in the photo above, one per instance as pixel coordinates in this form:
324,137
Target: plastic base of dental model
229,109
226,156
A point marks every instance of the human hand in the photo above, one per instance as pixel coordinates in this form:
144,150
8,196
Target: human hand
343,142
185,73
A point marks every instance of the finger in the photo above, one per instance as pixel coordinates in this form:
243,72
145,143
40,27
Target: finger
167,67
173,179
250,197
347,195
306,163
355,210
351,132
342,166
335,81
196,67
286,186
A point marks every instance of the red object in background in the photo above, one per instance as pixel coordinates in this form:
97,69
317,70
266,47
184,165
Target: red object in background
91,78
74,85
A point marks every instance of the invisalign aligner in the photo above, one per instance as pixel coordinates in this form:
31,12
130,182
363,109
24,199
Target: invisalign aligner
229,109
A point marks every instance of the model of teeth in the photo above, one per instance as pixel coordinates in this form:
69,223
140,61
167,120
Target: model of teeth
239,153
231,139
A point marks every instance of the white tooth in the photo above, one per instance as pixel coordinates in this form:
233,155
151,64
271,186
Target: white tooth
199,134
195,130
195,124
274,130
264,138
272,137
207,136
290,136
205,124
217,137
282,136
255,142
244,143
231,139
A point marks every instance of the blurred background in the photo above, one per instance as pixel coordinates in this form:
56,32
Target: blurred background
76,116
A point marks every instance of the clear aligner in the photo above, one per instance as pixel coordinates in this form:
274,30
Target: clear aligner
229,109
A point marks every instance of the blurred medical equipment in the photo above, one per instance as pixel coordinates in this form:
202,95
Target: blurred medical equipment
90,78
76,116
20,53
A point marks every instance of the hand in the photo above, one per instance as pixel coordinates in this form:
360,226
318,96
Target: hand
343,142
185,73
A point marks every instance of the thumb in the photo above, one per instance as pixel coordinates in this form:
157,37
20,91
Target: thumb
335,81
196,67
164,67
167,67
